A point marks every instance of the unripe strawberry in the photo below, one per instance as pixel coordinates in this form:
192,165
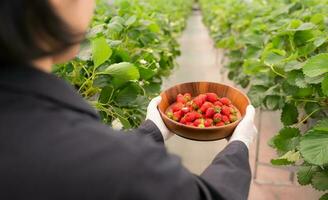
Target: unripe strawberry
233,118
169,114
201,126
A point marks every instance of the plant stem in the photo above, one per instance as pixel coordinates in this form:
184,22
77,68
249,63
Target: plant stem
279,74
307,117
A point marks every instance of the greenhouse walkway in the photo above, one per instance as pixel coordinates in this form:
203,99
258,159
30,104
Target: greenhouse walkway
200,61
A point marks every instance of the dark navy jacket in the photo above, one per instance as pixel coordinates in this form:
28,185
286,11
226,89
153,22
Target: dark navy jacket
54,147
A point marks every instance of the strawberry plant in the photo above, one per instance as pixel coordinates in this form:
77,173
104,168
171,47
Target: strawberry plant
279,51
130,46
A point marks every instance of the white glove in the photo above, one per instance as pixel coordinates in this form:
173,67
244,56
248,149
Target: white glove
246,131
154,115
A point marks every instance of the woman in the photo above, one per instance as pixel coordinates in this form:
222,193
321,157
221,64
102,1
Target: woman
53,145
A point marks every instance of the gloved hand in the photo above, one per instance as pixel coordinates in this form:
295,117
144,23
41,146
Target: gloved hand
246,131
154,115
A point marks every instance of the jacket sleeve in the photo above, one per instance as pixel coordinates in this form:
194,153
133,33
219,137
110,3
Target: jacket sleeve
148,128
230,174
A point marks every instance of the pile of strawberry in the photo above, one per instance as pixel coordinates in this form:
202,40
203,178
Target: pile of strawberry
205,110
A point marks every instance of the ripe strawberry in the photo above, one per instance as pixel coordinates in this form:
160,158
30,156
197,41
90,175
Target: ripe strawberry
225,111
208,122
205,106
210,112
203,97
177,106
183,120
211,97
190,124
177,115
217,117
233,118
225,119
197,122
197,102
185,110
220,124
181,99
225,101
198,115
190,117
187,96
218,103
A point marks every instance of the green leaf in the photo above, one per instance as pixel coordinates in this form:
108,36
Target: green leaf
106,94
257,94
127,95
316,65
288,158
324,86
320,180
296,78
121,116
101,51
273,102
131,20
305,173
289,115
124,71
287,139
324,197
314,144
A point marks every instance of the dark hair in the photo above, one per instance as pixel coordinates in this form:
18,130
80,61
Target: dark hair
30,29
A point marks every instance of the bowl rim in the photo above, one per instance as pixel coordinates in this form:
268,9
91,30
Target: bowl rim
206,128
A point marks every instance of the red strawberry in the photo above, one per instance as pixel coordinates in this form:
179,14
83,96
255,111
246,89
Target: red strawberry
233,118
202,97
190,124
198,115
208,122
181,99
185,110
177,115
220,124
197,122
210,112
217,117
211,97
225,101
177,106
197,102
225,119
187,96
205,106
225,111
190,117
218,103
183,120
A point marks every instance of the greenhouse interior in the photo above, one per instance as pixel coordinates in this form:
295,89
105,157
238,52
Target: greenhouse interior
164,100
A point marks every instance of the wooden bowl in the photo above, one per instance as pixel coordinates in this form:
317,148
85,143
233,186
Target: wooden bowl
238,99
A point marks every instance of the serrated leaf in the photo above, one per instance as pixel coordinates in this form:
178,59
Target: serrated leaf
316,65
293,65
324,197
289,115
279,162
106,94
288,158
273,102
127,95
296,78
100,51
324,86
123,71
305,173
320,180
287,139
314,144
257,94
